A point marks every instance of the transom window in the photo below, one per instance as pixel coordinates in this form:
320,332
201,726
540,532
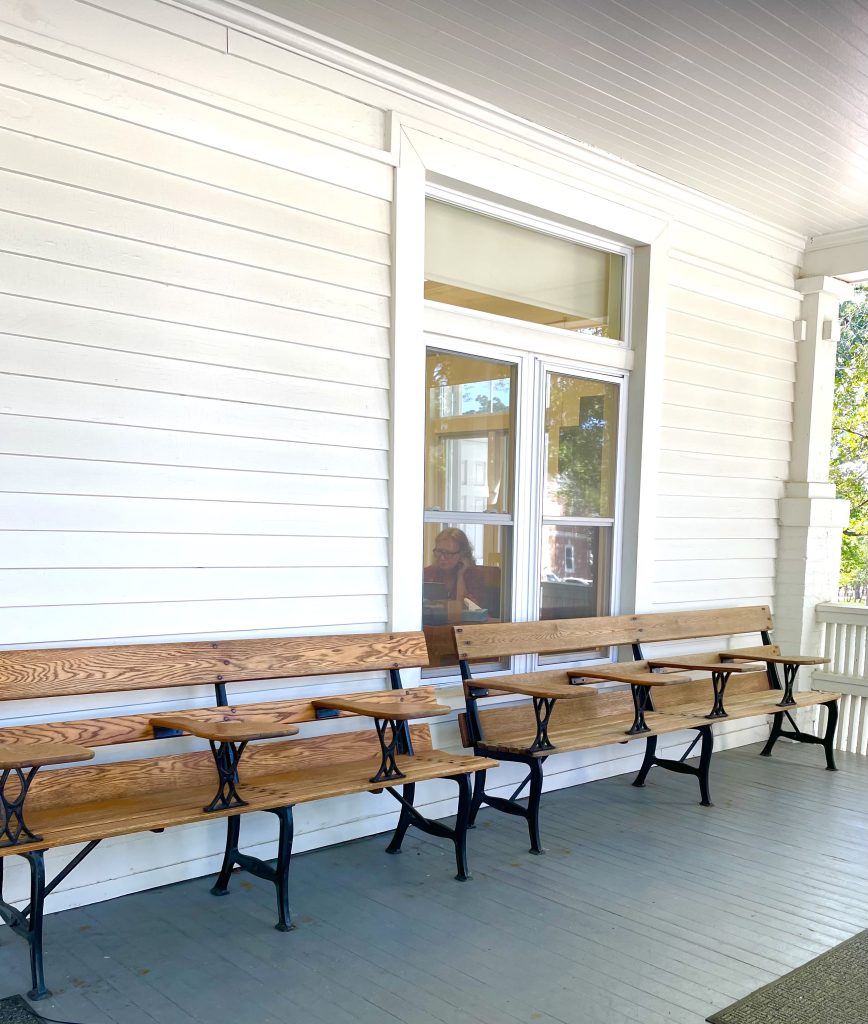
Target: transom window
521,452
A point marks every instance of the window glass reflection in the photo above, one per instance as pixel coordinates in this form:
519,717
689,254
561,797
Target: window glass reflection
466,574
574,577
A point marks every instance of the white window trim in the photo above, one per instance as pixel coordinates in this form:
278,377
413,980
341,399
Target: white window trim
424,161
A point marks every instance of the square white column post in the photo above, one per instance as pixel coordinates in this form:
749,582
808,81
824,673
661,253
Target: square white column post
812,519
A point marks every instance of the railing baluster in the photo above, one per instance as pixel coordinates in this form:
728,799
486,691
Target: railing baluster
844,640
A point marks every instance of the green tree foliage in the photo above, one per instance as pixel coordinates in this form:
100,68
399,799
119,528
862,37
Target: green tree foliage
849,463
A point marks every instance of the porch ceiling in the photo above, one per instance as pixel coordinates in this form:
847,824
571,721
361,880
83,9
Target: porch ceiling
760,103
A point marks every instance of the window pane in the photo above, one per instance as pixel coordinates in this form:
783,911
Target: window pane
468,434
580,591
467,573
479,262
581,427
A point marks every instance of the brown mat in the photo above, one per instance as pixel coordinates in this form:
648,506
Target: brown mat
832,989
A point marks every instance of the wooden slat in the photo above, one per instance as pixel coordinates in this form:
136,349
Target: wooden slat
125,780
564,635
55,672
100,732
400,708
141,809
26,755
228,728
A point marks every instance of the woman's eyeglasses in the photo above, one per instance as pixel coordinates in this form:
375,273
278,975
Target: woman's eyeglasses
443,553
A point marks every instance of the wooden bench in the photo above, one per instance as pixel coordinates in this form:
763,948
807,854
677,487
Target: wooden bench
86,804
657,695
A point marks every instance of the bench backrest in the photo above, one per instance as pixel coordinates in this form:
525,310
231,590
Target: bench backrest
71,671
558,636
76,671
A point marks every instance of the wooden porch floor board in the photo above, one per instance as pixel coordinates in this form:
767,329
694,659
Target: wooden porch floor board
646,909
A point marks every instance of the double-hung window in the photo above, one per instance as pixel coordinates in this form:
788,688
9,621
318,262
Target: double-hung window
522,431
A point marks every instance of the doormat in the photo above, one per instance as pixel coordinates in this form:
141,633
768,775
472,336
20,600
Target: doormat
16,1010
832,989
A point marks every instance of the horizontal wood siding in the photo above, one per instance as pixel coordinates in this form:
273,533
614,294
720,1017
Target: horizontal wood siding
195,316
727,422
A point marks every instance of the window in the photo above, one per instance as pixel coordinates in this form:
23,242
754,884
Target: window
521,453
479,262
469,429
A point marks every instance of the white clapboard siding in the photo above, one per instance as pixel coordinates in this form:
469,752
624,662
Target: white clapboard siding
718,485
158,48
167,112
713,442
32,357
68,549
61,624
120,141
163,515
718,353
90,211
76,476
700,569
157,301
155,190
33,318
689,414
138,261
32,396
683,549
728,334
691,368
740,467
113,442
711,529
105,586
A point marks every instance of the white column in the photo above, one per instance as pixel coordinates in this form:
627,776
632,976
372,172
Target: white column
812,518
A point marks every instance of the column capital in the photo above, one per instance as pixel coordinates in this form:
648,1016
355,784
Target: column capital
841,290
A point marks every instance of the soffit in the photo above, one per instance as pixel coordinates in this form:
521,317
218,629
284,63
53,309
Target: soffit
762,104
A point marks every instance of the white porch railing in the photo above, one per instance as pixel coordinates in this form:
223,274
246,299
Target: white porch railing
845,641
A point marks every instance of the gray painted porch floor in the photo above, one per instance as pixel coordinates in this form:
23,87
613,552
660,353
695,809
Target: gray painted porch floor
646,908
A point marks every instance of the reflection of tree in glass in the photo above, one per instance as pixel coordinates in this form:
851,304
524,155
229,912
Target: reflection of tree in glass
579,480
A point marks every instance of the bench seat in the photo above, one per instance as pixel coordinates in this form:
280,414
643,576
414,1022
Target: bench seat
167,806
512,730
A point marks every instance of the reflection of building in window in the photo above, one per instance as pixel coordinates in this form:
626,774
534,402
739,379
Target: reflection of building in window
569,561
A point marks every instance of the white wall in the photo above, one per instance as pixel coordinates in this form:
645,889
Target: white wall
195,306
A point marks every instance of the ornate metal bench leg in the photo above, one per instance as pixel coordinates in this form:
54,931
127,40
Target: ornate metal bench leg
829,737
462,819
408,791
389,747
705,764
648,763
34,932
533,802
478,797
281,868
777,728
718,682
233,831
641,703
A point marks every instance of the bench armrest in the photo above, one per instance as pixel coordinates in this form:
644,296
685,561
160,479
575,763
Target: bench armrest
35,755
701,666
549,689
763,654
400,708
226,728
579,677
